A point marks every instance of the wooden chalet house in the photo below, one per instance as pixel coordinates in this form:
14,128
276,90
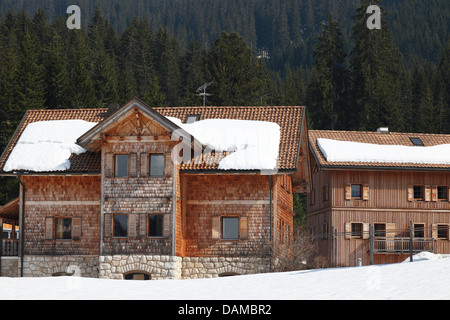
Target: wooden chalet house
121,207
378,196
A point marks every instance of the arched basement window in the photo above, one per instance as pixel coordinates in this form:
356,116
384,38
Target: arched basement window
137,275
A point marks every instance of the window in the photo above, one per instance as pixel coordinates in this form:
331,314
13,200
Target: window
156,165
230,228
380,229
137,276
442,193
192,118
357,230
356,191
155,225
120,222
418,193
442,231
419,230
417,142
63,228
121,165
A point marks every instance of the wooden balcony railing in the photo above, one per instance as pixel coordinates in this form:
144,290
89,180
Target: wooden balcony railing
9,247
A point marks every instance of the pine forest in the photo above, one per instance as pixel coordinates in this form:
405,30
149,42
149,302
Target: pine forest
317,53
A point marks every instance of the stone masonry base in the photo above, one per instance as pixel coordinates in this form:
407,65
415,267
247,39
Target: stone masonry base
116,266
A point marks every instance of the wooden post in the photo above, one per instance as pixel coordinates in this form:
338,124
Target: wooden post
371,243
410,241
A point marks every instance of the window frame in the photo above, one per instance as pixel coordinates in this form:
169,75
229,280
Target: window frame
418,228
150,165
360,197
443,227
416,141
149,224
113,229
445,193
354,235
56,219
116,166
422,188
222,226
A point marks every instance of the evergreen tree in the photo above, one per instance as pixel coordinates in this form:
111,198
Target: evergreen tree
31,77
329,83
376,65
82,85
57,93
238,78
167,64
194,74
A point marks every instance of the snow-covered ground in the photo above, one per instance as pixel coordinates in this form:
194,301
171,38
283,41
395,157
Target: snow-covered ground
428,277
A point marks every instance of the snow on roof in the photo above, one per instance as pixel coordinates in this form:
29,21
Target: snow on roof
47,145
349,151
254,144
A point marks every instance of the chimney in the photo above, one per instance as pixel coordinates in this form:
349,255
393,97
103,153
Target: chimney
113,107
383,130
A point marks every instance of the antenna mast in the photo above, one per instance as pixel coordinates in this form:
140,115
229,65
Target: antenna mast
204,94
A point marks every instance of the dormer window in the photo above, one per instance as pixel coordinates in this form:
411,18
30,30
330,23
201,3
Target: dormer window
192,118
417,142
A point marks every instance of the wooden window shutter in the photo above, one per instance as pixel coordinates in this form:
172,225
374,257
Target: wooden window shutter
167,164
142,224
366,231
348,230
76,228
410,193
427,193
243,228
215,228
144,165
132,225
366,191
434,231
109,164
49,228
390,233
166,225
108,225
434,191
348,191
132,165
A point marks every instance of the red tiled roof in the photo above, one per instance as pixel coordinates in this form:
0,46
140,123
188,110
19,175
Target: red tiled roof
393,138
290,120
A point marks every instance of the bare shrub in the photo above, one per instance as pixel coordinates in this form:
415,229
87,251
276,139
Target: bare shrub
299,253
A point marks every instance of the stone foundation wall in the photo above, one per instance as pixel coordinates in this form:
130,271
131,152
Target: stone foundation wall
10,267
158,266
116,266
47,266
212,267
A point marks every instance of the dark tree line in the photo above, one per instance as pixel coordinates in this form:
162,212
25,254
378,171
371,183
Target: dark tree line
357,80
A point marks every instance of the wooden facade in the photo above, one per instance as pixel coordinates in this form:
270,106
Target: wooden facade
119,207
386,202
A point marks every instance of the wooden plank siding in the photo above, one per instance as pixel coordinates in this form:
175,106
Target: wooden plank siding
386,202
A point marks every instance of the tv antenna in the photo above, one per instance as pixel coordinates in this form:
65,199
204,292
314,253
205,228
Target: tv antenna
202,92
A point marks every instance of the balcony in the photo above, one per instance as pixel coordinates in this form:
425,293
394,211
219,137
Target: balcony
401,245
9,247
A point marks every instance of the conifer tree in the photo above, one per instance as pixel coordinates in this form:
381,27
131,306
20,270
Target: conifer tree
238,78
376,65
57,92
329,83
31,77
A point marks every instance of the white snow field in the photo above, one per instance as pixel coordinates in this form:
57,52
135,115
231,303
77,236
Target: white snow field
428,277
